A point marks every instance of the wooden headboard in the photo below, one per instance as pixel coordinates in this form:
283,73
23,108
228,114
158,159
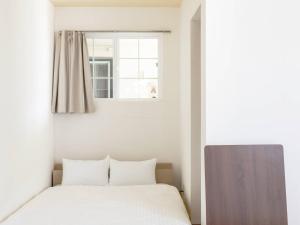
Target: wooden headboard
164,174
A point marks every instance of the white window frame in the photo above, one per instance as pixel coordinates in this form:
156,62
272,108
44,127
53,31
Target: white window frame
120,35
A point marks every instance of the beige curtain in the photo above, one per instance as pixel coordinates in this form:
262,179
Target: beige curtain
72,84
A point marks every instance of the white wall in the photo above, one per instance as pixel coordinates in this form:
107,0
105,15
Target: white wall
26,127
126,130
253,77
189,109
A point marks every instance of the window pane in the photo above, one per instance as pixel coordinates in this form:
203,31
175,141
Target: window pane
129,68
148,88
149,68
102,69
102,88
100,84
148,48
103,48
138,88
101,94
128,88
128,48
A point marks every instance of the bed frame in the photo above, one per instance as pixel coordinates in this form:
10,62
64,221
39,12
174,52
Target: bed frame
164,174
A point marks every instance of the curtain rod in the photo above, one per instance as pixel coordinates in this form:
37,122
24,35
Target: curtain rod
125,31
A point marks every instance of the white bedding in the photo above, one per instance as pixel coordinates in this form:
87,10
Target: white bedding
107,205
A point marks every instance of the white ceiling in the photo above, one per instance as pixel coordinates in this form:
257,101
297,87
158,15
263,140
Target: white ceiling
116,3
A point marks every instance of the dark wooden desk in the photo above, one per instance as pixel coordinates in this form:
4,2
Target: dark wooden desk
245,185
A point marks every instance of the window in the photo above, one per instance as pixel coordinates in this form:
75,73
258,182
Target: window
125,66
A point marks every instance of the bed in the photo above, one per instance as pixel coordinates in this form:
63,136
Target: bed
158,204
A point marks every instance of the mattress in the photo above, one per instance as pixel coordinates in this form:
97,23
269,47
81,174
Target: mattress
109,205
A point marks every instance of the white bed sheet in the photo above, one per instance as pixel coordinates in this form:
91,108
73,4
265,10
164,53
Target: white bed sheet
110,205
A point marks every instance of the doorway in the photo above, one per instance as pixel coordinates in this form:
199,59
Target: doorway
196,117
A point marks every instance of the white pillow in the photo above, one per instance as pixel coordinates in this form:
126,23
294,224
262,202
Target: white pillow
132,172
85,172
